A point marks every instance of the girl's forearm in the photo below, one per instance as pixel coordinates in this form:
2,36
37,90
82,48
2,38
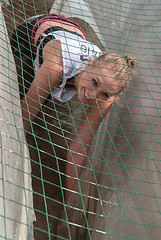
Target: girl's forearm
38,92
31,105
79,147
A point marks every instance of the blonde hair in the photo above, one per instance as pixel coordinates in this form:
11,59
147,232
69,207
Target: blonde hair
122,66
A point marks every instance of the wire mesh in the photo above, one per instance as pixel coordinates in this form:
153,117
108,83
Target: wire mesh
118,194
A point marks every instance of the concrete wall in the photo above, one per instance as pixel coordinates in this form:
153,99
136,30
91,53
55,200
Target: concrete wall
16,204
125,156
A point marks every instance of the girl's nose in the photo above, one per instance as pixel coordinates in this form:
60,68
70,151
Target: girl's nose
93,93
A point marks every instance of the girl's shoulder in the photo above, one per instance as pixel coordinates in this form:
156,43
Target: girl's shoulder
52,54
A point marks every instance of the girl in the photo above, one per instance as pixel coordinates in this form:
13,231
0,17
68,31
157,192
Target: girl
65,64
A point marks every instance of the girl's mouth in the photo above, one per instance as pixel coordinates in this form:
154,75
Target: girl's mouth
86,96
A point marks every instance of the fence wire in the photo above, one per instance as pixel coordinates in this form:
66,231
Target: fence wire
118,194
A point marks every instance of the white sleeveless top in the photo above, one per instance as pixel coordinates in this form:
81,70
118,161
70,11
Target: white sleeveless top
76,52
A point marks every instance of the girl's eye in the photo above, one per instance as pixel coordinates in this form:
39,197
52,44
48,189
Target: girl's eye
95,83
106,95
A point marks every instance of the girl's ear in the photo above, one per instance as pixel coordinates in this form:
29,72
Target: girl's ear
90,62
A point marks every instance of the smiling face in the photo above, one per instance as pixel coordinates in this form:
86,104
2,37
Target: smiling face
96,83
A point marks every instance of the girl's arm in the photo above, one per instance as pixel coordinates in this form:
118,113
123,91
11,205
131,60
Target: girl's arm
48,77
79,146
